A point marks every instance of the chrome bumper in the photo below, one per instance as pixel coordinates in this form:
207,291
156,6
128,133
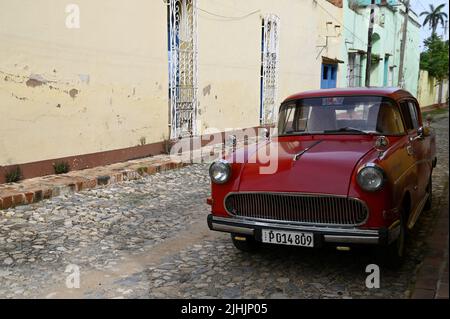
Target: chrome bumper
342,235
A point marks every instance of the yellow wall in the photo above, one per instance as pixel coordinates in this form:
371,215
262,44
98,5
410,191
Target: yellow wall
117,65
428,90
230,55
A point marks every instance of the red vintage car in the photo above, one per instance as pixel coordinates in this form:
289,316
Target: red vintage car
353,166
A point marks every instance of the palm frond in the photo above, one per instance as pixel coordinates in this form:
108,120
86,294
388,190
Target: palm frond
439,8
441,20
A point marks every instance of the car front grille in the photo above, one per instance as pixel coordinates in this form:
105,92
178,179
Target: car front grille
300,208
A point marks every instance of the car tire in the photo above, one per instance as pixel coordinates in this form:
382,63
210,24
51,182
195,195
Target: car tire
393,255
248,245
429,202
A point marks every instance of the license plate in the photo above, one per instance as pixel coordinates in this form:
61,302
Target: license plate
287,238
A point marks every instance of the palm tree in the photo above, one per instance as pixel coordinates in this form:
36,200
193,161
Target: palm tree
434,17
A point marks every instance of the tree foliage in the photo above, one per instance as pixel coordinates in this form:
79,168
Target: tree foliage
435,58
434,17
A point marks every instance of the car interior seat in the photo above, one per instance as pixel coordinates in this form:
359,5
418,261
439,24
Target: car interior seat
322,119
384,119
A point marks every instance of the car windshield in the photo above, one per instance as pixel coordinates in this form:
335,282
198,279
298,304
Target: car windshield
340,115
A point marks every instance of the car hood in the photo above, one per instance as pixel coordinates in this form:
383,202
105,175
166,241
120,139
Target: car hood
323,165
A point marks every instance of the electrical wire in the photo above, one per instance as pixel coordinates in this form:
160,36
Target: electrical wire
228,17
257,11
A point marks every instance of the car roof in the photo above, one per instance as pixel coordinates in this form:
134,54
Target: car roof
392,92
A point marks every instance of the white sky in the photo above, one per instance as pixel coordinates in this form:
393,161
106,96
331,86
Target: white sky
424,5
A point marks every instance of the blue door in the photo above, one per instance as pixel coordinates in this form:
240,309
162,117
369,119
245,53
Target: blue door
328,76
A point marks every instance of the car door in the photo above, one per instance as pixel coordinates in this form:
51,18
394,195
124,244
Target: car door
415,151
420,147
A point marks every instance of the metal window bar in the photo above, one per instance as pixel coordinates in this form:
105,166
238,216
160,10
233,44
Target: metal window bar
270,68
183,67
354,70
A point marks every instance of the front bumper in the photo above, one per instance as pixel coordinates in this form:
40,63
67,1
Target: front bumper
322,234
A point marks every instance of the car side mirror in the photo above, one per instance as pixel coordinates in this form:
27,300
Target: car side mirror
420,134
420,131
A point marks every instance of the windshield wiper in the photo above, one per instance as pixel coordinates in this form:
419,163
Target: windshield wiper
347,129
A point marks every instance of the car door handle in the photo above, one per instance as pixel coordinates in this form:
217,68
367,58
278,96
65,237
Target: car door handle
410,150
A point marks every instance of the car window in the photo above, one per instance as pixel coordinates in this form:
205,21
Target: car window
358,113
293,118
414,115
387,119
406,112
340,115
288,121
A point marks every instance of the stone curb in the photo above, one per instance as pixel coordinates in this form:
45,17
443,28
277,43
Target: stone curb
34,190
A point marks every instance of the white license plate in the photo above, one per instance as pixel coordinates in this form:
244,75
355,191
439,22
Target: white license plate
287,238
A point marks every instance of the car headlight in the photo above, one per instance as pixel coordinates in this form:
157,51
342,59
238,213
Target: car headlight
370,177
220,171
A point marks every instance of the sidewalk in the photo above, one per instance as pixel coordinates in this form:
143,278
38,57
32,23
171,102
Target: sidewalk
33,190
432,277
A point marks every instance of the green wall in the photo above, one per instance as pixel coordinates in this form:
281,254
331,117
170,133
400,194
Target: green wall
388,30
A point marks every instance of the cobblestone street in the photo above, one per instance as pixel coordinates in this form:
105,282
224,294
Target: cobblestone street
148,238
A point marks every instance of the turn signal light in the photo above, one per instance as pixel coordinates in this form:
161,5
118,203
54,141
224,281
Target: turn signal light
343,248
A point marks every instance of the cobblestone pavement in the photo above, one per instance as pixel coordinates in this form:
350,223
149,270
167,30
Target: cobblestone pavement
148,238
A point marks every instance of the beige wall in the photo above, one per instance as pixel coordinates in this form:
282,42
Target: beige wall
116,63
230,55
118,67
428,90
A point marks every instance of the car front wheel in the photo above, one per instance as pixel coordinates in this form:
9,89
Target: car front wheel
394,254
